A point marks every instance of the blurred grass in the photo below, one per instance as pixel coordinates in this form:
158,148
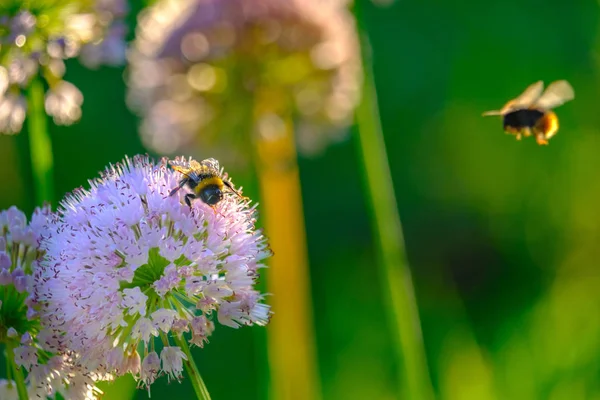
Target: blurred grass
124,388
401,305
502,235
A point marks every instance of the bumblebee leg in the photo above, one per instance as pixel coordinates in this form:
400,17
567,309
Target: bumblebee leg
509,130
214,208
188,199
541,140
181,183
526,132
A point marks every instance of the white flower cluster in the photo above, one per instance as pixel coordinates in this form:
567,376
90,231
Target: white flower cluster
51,367
37,36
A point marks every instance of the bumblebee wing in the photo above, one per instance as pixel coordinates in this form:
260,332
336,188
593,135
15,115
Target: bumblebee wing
211,163
556,93
495,112
526,99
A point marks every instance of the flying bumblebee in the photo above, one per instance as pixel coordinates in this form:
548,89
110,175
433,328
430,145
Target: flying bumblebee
204,178
531,111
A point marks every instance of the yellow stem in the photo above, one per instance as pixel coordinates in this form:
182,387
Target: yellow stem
290,334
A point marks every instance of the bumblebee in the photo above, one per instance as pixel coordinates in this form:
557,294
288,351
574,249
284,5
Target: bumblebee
204,178
531,112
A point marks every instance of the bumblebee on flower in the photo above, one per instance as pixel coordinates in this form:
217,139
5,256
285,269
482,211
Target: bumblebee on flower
204,178
128,266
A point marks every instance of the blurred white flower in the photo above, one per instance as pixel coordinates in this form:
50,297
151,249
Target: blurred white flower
3,80
21,69
37,35
200,68
127,265
109,47
63,103
109,51
13,109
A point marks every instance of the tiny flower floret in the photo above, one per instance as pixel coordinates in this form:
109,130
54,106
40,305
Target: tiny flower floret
128,266
150,368
172,362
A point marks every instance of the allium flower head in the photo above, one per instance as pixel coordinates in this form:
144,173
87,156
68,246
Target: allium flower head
48,363
131,271
198,67
36,37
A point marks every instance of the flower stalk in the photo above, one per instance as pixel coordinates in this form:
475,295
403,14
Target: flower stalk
395,276
40,144
290,335
192,371
18,377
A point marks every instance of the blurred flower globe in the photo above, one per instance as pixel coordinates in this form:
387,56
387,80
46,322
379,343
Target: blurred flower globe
133,274
201,69
37,36
49,364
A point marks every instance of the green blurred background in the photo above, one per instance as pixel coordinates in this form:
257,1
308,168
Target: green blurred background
503,237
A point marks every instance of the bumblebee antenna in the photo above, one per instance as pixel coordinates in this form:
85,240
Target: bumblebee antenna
230,186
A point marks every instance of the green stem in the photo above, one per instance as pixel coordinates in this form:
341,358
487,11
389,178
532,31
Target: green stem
395,277
9,372
40,145
192,370
19,378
